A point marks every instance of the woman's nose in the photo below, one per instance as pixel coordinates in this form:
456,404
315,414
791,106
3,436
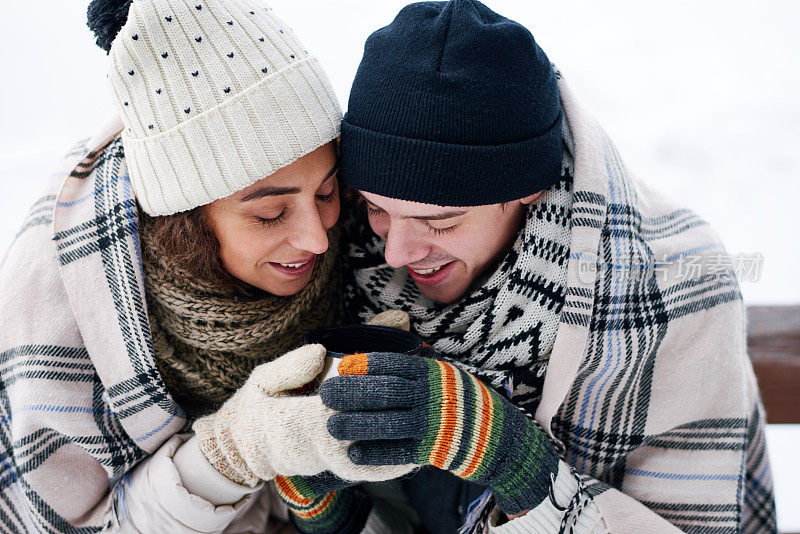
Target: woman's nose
310,234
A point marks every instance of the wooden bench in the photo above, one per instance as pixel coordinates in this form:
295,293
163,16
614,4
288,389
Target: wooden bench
773,340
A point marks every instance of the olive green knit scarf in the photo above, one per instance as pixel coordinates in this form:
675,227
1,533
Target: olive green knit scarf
208,339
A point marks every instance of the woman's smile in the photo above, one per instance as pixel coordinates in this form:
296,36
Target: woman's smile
295,268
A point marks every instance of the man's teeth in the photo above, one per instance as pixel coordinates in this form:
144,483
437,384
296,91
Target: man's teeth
427,271
293,265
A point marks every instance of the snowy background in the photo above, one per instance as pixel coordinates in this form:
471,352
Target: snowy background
701,97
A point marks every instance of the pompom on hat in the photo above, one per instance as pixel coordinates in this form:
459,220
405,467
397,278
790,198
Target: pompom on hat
214,96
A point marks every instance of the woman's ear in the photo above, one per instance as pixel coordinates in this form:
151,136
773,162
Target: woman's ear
531,198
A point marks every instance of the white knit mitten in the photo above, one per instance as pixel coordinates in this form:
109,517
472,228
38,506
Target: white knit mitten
262,430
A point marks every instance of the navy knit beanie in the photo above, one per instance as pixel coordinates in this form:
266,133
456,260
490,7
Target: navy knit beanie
452,105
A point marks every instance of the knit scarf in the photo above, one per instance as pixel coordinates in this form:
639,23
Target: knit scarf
207,340
503,329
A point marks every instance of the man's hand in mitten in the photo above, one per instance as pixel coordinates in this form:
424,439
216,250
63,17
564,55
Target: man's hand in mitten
264,429
408,409
324,504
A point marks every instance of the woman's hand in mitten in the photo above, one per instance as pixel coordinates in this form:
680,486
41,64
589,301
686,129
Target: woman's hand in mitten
408,409
264,430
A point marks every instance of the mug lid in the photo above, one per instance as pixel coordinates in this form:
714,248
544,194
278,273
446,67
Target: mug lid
359,338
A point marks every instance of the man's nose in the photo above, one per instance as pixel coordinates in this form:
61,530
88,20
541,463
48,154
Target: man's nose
403,248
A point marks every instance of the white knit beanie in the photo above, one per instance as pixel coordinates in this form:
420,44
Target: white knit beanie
214,95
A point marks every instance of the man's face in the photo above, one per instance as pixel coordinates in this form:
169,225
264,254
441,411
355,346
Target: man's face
445,249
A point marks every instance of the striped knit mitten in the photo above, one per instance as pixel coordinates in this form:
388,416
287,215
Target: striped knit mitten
408,409
324,504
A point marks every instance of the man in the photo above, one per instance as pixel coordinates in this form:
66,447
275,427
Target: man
528,256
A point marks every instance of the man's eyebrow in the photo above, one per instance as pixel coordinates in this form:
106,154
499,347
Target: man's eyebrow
438,217
272,190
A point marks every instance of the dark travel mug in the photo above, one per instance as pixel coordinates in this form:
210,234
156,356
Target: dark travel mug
351,339
339,341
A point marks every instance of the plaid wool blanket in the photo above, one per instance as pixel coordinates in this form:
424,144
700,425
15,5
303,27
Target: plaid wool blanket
81,400
649,388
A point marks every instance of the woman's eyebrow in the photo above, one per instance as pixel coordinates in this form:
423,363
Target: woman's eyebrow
274,190
331,172
268,191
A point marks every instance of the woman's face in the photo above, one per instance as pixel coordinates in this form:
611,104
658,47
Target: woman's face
271,232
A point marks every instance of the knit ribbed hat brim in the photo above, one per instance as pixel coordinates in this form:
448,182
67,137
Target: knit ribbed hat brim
231,146
425,171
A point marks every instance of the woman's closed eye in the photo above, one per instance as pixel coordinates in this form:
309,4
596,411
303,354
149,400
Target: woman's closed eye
327,199
272,221
327,192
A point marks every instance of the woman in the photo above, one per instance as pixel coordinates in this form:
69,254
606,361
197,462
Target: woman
167,267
